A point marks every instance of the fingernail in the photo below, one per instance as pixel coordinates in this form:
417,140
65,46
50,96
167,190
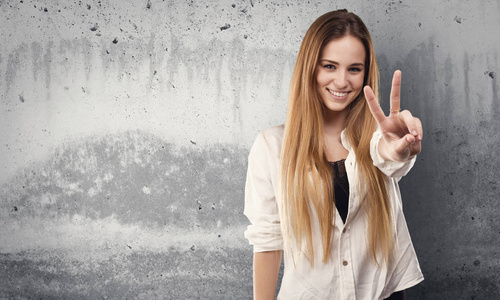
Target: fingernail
409,140
419,137
414,132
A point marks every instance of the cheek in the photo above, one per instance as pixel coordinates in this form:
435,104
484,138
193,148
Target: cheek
359,81
319,78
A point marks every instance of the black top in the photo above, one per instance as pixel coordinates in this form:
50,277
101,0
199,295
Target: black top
341,188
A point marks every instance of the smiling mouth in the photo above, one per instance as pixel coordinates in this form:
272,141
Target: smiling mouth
338,94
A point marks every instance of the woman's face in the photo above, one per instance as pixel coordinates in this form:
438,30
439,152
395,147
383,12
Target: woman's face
341,72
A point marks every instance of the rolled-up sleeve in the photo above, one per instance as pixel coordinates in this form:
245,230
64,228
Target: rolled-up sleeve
393,169
261,208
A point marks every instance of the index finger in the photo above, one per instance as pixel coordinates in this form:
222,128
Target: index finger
373,104
396,92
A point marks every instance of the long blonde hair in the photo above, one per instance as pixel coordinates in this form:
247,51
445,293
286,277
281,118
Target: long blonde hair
306,177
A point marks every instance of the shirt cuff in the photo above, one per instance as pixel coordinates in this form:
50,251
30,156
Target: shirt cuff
388,167
265,238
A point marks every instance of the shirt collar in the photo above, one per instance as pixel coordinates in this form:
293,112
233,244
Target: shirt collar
345,141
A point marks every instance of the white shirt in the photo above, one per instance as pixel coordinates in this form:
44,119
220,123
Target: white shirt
351,273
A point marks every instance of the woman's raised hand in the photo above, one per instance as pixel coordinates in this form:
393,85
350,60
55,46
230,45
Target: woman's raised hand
402,132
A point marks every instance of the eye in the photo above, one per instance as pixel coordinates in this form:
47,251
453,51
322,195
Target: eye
329,67
355,69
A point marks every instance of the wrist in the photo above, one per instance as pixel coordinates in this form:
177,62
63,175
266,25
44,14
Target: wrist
383,150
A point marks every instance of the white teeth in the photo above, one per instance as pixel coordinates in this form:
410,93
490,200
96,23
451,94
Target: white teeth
338,94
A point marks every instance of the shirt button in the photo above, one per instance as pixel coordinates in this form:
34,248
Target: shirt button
344,230
345,263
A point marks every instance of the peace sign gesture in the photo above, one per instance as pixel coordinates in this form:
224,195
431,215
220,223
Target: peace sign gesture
402,133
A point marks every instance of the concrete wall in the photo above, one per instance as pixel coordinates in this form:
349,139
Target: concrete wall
126,126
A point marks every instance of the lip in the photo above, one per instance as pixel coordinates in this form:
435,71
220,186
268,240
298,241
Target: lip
340,95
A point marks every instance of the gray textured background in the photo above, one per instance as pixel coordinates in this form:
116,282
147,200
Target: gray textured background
126,126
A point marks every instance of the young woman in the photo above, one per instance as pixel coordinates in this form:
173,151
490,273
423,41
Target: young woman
323,188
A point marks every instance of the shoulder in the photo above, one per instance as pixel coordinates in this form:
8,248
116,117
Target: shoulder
274,135
270,139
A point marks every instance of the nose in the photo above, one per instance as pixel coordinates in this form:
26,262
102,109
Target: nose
340,81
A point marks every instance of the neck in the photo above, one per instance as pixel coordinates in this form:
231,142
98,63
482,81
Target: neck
334,122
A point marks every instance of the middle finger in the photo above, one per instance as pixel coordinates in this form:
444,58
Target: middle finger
396,92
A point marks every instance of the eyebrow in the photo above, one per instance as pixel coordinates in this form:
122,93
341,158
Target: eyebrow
336,63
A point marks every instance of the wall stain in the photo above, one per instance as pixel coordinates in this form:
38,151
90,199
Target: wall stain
170,275
457,129
155,60
494,90
47,63
13,63
225,27
101,177
36,59
132,183
466,80
125,60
